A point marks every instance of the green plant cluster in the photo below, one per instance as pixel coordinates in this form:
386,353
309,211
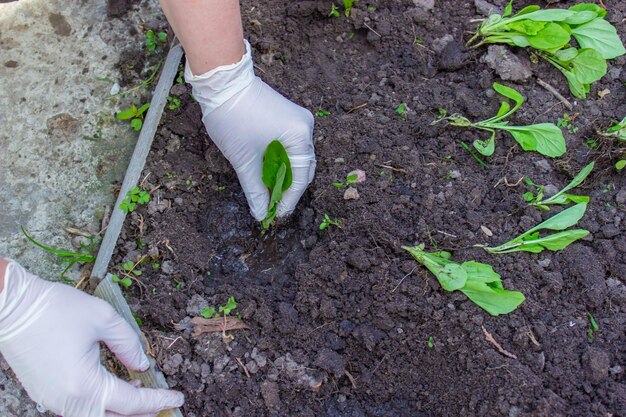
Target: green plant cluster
133,197
210,312
134,114
549,32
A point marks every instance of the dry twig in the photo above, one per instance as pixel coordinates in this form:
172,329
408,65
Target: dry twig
498,346
556,94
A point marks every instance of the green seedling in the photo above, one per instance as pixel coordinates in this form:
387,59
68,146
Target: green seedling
418,42
547,33
134,197
174,103
134,114
593,328
327,222
322,113
334,11
348,5
350,180
431,342
125,282
592,144
155,39
478,281
210,312
530,241
566,122
401,110
545,138
621,164
138,320
277,177
70,257
560,198
618,130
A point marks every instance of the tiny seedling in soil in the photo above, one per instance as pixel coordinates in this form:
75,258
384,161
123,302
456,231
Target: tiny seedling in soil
593,328
562,197
618,130
431,342
210,312
548,32
334,11
322,113
478,281
70,257
401,110
566,122
327,222
174,103
125,282
350,180
277,177
133,197
348,5
545,138
155,39
134,114
530,241
592,144
621,164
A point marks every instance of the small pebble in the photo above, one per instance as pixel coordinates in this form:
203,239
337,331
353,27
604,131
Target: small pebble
351,194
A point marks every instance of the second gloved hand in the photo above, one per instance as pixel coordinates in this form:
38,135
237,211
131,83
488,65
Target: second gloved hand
243,115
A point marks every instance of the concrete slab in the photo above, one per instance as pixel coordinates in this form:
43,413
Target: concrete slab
61,149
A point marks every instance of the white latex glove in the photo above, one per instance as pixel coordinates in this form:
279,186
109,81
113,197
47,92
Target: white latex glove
49,334
243,115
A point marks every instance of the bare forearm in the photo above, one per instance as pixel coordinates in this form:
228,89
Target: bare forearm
209,30
3,268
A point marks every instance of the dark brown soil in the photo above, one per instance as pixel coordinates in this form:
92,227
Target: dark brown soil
339,319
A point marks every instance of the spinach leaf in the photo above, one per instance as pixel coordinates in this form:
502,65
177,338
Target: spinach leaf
277,176
545,138
601,36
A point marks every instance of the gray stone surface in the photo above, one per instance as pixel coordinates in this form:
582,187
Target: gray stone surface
506,64
62,150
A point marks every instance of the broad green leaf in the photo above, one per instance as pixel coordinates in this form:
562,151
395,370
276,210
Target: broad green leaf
545,138
526,10
552,36
580,7
621,164
480,272
143,109
508,9
510,93
126,114
552,242
601,36
495,301
560,221
566,54
275,196
136,124
566,199
504,109
452,277
581,17
576,181
576,87
486,147
528,27
588,66
546,15
275,155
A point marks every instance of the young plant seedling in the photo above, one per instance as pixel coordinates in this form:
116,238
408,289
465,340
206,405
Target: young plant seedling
125,282
174,103
567,122
545,138
327,222
334,11
155,39
548,34
350,180
618,130
430,342
478,281
348,5
593,328
133,197
134,114
560,198
322,113
620,165
277,176
530,241
70,257
401,110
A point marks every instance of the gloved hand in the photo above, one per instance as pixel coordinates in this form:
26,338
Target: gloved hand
49,334
243,115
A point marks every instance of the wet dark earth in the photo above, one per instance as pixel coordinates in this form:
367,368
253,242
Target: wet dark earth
340,319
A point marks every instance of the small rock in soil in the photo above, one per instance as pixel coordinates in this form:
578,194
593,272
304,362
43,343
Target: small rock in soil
453,56
610,231
359,259
506,64
424,4
439,44
171,365
331,361
597,364
196,304
259,358
550,190
351,194
544,165
270,394
485,8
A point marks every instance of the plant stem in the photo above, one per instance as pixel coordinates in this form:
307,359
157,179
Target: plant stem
476,157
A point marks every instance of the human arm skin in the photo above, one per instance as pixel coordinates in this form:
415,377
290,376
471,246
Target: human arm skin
3,268
211,35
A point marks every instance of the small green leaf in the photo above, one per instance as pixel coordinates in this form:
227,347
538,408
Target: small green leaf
545,138
208,312
621,164
136,124
600,36
275,155
143,109
551,37
162,36
486,147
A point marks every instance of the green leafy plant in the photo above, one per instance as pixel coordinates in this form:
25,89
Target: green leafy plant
350,180
478,281
548,34
322,113
560,198
621,164
567,122
545,138
70,257
618,130
327,221
530,241
593,328
125,282
348,5
277,177
334,11
154,39
134,114
210,312
174,103
133,197
401,110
